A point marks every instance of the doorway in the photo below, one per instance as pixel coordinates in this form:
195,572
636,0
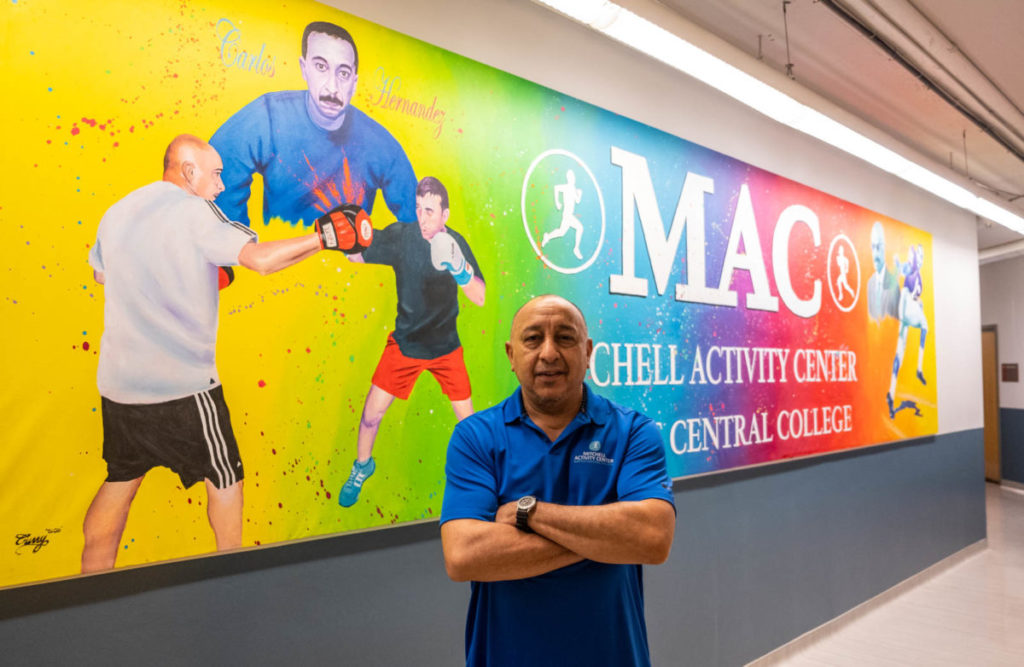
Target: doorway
990,384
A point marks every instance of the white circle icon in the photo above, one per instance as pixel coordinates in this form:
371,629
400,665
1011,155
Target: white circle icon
839,253
564,219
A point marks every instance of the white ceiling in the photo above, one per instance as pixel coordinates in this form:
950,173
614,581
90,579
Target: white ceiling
967,53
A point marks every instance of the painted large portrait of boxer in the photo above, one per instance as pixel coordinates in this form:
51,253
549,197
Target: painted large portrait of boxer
286,145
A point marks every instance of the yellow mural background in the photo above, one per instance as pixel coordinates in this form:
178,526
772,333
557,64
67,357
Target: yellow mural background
96,91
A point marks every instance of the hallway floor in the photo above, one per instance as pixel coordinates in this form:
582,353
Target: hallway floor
971,614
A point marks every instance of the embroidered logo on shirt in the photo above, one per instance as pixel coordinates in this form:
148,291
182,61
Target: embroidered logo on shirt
594,455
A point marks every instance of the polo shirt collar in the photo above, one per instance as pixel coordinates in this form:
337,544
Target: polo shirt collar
596,409
512,408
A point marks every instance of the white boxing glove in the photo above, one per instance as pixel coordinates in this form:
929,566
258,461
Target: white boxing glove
446,255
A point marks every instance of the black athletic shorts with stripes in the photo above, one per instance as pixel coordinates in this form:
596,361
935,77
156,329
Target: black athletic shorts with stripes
192,436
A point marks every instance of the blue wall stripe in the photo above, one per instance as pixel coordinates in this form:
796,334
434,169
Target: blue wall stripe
1011,430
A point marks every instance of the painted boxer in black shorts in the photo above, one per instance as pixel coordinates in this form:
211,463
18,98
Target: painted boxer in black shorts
157,254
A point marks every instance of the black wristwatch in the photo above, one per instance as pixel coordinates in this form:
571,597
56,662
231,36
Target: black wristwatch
524,508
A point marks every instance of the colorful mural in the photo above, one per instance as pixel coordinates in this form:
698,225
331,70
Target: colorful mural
754,318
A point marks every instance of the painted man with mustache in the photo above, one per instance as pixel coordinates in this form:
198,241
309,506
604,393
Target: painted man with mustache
313,149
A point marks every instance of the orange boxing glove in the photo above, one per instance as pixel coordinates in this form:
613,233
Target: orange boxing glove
346,228
225,276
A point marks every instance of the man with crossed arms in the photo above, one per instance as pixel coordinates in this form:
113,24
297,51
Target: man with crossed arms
554,499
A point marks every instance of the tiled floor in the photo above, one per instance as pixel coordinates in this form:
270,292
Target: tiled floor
971,614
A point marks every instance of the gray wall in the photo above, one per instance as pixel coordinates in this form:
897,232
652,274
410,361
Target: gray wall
1011,444
761,556
1003,308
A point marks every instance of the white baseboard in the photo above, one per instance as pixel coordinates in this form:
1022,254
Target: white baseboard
1012,486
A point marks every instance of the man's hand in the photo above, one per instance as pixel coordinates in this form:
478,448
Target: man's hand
477,550
446,255
225,276
623,532
346,228
507,513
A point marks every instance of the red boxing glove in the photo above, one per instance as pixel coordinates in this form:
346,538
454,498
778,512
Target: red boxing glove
225,276
346,228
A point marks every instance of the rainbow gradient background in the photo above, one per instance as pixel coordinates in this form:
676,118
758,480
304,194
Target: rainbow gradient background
88,120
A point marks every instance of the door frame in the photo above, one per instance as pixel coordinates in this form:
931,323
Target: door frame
996,426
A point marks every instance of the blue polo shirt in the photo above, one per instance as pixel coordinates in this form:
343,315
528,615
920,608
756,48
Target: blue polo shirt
588,613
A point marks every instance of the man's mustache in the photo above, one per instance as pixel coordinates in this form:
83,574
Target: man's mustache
332,99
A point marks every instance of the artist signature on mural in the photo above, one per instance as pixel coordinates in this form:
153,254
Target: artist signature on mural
233,53
388,97
29,543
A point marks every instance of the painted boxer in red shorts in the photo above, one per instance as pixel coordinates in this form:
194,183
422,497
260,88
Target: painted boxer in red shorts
431,263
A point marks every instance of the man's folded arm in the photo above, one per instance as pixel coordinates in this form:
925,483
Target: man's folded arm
638,531
476,550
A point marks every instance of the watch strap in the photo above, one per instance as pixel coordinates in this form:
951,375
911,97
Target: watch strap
523,513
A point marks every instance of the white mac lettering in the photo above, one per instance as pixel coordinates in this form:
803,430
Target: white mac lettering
638,197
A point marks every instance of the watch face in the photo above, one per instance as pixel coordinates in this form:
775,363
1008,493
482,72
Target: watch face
526,502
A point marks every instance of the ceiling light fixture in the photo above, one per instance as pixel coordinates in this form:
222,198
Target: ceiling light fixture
637,32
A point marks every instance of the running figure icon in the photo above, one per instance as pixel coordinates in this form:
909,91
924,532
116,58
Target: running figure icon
567,195
843,262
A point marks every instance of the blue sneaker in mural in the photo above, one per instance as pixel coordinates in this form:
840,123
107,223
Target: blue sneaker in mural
360,472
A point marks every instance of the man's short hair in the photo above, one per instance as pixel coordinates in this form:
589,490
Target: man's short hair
331,30
431,186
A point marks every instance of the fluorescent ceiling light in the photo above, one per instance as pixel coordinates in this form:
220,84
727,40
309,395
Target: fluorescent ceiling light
639,33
